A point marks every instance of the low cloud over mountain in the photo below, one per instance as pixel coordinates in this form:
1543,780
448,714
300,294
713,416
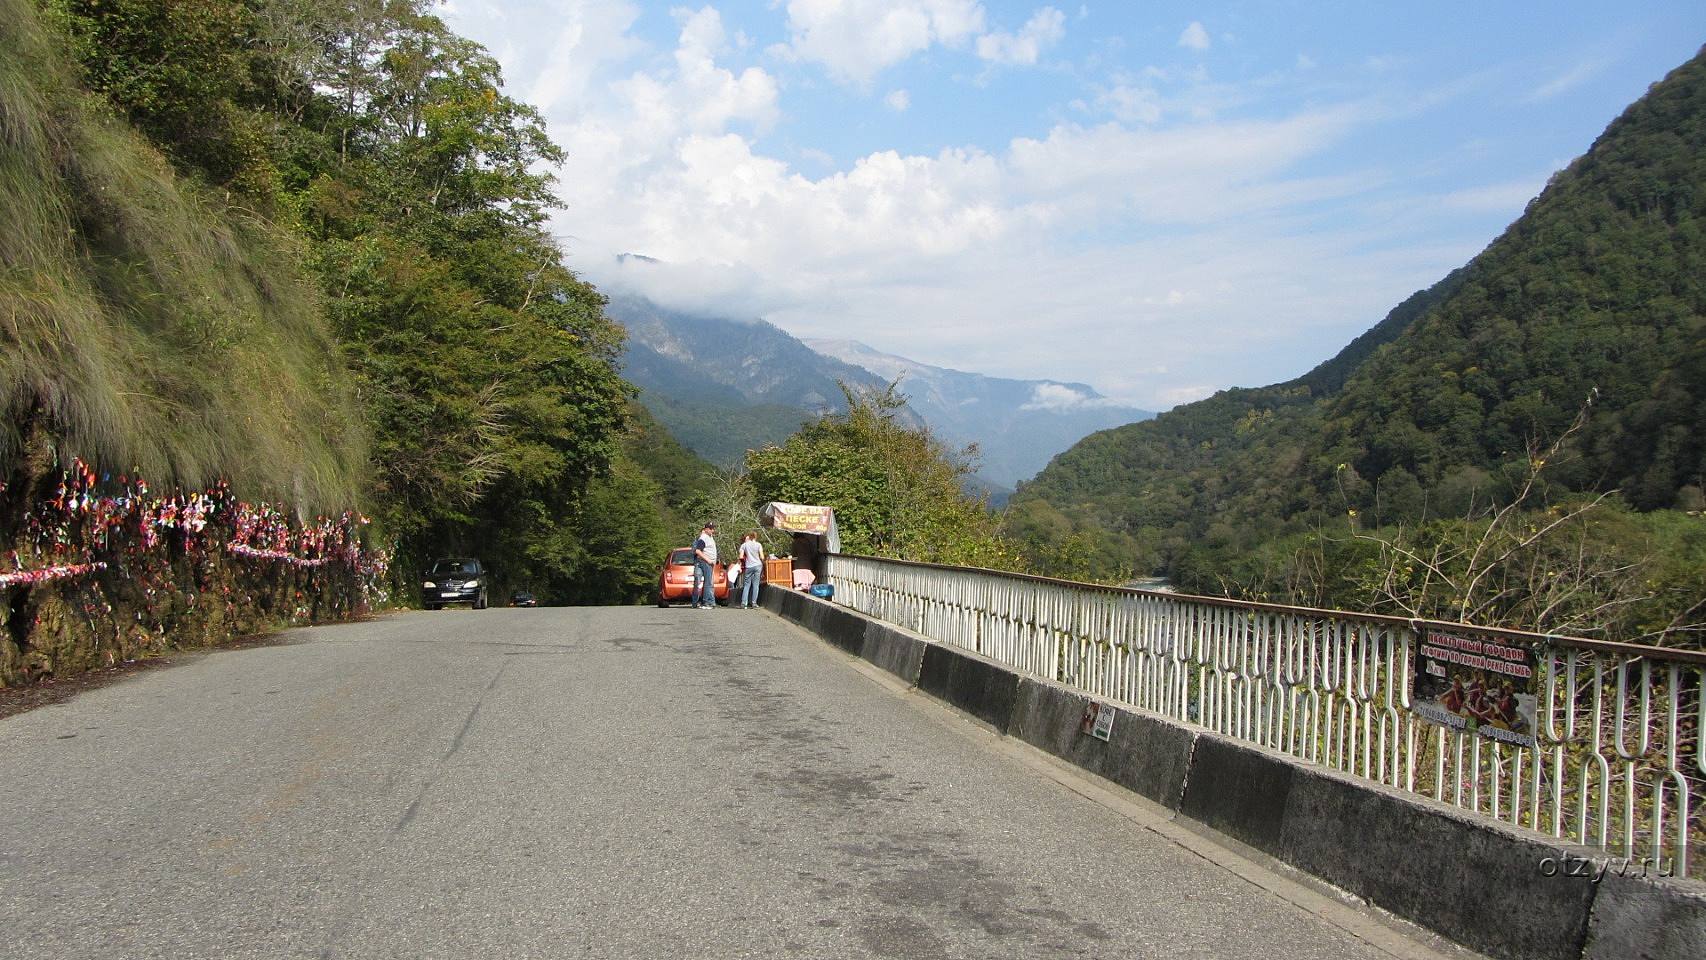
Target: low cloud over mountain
724,385
1018,425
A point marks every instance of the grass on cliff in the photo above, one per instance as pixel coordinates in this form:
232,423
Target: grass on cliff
153,325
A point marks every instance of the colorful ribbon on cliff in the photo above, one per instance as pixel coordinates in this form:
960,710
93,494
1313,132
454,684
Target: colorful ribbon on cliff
244,550
44,574
88,515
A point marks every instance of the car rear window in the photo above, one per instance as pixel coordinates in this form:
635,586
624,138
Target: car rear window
682,558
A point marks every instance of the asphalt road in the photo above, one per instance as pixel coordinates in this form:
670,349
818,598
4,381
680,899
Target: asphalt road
604,783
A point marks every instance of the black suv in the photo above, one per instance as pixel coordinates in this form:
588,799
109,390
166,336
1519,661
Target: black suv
456,580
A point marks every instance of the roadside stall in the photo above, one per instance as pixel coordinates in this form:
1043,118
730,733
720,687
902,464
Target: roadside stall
814,533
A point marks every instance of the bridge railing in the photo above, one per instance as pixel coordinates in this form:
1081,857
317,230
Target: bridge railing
1613,761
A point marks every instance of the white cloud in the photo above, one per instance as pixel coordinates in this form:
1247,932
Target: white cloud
1151,95
1130,104
857,39
1566,81
588,39
1195,37
898,100
1060,397
1509,197
701,30
1045,29
697,97
1190,174
1148,250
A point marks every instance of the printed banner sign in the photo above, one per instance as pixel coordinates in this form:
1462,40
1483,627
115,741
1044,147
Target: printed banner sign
1483,685
1098,721
799,518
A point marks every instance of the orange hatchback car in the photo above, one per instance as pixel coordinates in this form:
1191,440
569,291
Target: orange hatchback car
675,580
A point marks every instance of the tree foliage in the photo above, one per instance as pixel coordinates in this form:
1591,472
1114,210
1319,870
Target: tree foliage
897,491
484,368
148,321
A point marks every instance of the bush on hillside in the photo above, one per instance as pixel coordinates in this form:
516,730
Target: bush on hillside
145,322
897,491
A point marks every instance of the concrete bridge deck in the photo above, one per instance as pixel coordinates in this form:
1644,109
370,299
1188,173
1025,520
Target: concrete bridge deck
591,783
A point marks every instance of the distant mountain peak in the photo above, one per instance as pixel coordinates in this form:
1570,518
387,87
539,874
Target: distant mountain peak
1049,394
885,365
1017,424
724,385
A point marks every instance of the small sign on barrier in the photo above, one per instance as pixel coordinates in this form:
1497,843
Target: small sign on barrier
1483,685
1098,720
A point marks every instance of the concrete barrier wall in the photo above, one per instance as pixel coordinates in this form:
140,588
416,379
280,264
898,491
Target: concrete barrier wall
1147,756
1507,892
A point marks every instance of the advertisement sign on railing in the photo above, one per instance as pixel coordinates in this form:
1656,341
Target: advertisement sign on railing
1482,685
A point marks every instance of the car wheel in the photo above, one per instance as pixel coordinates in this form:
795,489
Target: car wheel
480,602
661,601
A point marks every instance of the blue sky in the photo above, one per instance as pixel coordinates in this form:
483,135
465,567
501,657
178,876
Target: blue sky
1158,199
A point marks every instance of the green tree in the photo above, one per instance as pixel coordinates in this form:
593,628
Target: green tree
485,369
897,492
487,366
181,71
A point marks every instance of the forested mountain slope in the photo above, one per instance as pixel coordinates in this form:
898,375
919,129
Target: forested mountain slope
1132,495
1598,290
725,386
1017,425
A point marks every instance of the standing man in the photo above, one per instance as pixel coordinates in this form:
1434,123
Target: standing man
704,594
751,569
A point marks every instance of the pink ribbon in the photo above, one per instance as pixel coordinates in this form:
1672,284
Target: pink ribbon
44,574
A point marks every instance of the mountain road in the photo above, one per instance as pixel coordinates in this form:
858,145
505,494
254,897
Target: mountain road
584,782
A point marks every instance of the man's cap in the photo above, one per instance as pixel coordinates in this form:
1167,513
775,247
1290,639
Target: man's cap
710,525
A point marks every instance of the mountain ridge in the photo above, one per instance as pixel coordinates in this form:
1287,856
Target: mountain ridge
1017,424
727,385
722,385
1598,289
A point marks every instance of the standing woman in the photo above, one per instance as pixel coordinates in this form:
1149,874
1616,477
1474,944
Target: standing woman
751,569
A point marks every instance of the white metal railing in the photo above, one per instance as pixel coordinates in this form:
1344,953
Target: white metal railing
1614,760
